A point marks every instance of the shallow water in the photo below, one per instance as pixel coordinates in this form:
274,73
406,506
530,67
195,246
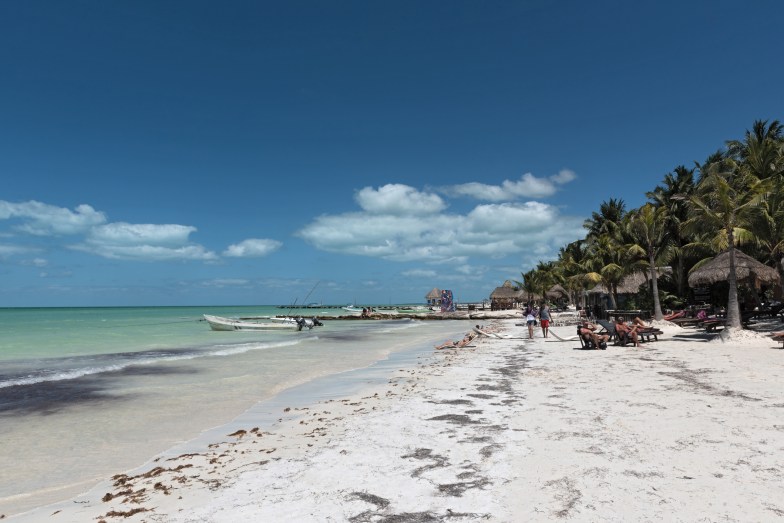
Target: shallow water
87,393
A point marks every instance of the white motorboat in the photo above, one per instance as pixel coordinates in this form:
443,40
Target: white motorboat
219,323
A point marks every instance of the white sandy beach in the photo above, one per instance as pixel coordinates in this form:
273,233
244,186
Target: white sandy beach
682,429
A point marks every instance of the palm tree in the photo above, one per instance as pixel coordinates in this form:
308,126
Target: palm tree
528,284
727,198
760,150
647,226
607,257
607,220
768,228
609,263
572,268
679,182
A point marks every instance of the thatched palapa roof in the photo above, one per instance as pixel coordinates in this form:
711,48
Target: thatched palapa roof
556,291
746,268
435,294
504,292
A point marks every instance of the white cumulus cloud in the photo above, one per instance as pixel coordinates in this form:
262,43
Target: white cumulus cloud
252,248
487,231
528,186
121,233
398,199
145,241
41,219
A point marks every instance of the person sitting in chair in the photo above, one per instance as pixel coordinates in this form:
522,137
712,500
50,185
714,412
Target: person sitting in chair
588,330
627,333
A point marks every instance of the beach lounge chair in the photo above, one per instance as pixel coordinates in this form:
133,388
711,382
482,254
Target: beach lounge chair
675,316
609,329
644,334
713,324
587,342
686,321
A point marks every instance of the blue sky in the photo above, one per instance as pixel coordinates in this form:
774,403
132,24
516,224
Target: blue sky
197,153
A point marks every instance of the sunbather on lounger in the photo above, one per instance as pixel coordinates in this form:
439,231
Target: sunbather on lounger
674,315
589,329
624,331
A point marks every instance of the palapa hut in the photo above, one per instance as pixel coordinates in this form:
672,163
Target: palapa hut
557,294
599,298
747,269
749,272
433,297
504,297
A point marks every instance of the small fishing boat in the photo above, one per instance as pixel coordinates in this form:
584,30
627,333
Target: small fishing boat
219,323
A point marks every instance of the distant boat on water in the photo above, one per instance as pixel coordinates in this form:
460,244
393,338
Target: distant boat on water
219,323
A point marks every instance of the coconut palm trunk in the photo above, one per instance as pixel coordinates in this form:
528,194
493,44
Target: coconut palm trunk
657,310
733,307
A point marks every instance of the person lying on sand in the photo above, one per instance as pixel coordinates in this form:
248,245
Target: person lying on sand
468,338
589,329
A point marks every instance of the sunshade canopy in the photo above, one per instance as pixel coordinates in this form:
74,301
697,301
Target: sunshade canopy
747,270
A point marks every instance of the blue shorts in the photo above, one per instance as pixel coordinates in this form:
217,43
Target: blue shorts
531,322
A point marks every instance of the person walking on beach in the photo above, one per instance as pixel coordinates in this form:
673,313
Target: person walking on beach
530,319
544,318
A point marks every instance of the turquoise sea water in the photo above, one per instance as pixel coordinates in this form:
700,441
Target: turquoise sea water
89,392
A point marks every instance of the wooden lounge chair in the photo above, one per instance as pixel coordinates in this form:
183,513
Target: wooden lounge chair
643,333
587,342
713,324
646,333
686,322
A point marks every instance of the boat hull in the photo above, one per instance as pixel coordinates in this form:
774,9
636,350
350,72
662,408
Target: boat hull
219,323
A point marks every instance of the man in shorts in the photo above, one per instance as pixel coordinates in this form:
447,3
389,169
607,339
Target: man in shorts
544,318
588,330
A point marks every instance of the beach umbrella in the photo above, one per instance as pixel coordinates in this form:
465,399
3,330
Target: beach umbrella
747,269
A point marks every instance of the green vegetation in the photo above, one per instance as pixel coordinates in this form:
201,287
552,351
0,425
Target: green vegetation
735,198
